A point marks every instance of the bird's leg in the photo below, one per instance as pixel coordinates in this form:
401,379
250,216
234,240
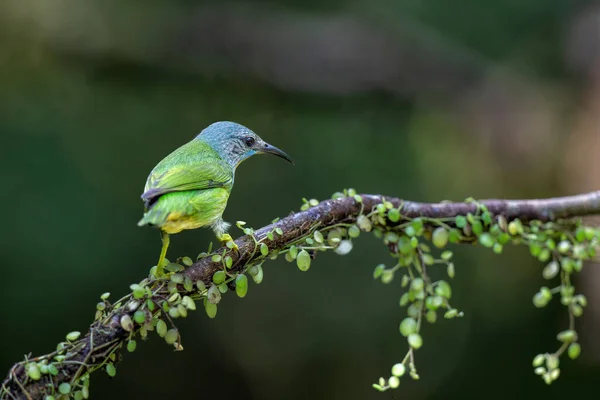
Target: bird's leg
220,228
163,252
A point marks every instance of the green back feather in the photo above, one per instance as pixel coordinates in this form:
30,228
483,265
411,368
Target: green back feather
193,166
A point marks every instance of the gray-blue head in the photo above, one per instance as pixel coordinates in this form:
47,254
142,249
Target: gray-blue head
235,143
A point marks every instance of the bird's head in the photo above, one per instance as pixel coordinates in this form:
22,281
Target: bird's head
235,143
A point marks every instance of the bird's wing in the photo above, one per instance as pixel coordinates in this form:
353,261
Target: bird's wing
211,173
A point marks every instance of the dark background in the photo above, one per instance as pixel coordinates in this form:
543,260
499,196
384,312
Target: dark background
426,100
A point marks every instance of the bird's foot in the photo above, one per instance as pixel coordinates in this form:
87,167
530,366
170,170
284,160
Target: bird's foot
227,240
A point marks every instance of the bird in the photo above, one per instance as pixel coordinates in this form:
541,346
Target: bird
189,188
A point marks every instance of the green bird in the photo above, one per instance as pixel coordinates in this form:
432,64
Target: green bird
190,187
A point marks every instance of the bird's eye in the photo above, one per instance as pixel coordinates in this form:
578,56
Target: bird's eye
249,140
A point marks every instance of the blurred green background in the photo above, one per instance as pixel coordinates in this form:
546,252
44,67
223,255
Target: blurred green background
425,100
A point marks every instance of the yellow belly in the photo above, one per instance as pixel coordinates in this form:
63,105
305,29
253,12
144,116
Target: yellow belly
175,212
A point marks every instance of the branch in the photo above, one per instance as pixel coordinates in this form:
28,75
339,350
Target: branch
68,368
331,212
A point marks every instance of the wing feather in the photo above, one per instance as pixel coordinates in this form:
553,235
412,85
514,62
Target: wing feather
186,173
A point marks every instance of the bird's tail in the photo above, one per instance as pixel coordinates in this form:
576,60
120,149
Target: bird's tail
154,217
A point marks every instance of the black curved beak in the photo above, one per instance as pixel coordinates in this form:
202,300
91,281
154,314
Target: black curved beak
267,148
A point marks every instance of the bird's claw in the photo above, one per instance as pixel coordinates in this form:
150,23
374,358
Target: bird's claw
227,240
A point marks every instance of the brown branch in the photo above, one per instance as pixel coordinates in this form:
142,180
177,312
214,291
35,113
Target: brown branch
109,334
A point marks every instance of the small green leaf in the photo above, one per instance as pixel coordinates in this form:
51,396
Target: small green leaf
398,369
264,249
161,328
65,388
460,221
318,237
138,291
241,285
404,299
539,300
214,294
477,228
551,270
564,246
223,288
105,296
211,309
574,350
454,235
544,255
188,302
552,362
378,271
174,267
354,231
293,252
52,369
567,336
139,316
538,360
497,248
410,230
334,237
443,289
415,341
174,312
219,277
126,323
33,371
394,215
408,326
110,370
485,239
344,247
131,345
228,261
188,285
364,223
431,316
387,276
439,237
378,387
303,260
72,336
258,277
417,285
428,259
171,336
